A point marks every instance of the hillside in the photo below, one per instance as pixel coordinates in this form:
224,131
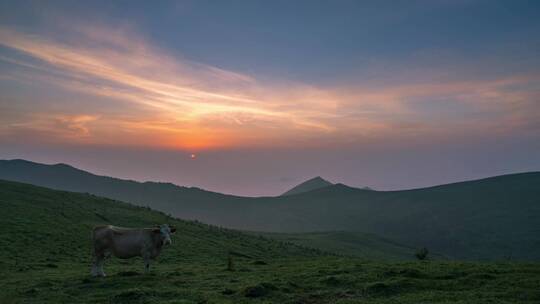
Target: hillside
45,258
309,185
349,243
34,219
492,218
162,196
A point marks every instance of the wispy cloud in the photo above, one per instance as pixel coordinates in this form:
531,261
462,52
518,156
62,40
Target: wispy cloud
121,66
185,104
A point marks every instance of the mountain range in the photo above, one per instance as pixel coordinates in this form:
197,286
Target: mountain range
492,218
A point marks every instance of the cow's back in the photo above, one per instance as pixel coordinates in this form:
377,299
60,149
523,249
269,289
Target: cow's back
121,242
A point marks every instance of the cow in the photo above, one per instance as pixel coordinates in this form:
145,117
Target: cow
125,243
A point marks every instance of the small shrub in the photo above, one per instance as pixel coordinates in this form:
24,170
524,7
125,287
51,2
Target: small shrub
422,253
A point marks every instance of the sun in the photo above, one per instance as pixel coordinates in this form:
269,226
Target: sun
193,156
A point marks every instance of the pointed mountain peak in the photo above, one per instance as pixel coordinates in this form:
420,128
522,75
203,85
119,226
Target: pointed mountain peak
309,185
318,179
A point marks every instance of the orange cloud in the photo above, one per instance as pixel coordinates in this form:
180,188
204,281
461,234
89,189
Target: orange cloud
131,70
161,100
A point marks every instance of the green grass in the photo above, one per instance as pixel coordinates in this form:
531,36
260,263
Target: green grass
349,243
45,258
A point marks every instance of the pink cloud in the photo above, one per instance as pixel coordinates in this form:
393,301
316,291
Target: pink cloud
180,103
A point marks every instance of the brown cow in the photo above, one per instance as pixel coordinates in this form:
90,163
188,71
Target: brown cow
125,243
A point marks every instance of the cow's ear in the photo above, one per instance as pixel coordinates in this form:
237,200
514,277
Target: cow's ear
173,229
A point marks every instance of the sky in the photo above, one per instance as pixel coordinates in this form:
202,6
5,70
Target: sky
253,97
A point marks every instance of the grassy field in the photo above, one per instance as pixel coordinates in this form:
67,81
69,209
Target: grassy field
45,258
298,280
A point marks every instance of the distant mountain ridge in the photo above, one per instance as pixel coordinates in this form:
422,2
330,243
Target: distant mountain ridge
309,185
491,218
157,195
16,168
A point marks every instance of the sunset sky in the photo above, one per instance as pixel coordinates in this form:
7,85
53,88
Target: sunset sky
252,97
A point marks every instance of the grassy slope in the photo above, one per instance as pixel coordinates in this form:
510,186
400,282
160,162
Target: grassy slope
348,243
45,253
64,219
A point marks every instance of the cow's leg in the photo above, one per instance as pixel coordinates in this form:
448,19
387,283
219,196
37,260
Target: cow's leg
94,272
100,260
97,266
97,258
146,257
101,272
146,265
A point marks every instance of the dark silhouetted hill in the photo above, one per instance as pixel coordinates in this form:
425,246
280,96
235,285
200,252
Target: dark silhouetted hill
309,185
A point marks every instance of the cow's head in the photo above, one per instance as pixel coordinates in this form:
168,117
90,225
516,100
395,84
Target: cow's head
165,232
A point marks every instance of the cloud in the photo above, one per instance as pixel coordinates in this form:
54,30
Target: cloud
155,98
121,66
63,127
